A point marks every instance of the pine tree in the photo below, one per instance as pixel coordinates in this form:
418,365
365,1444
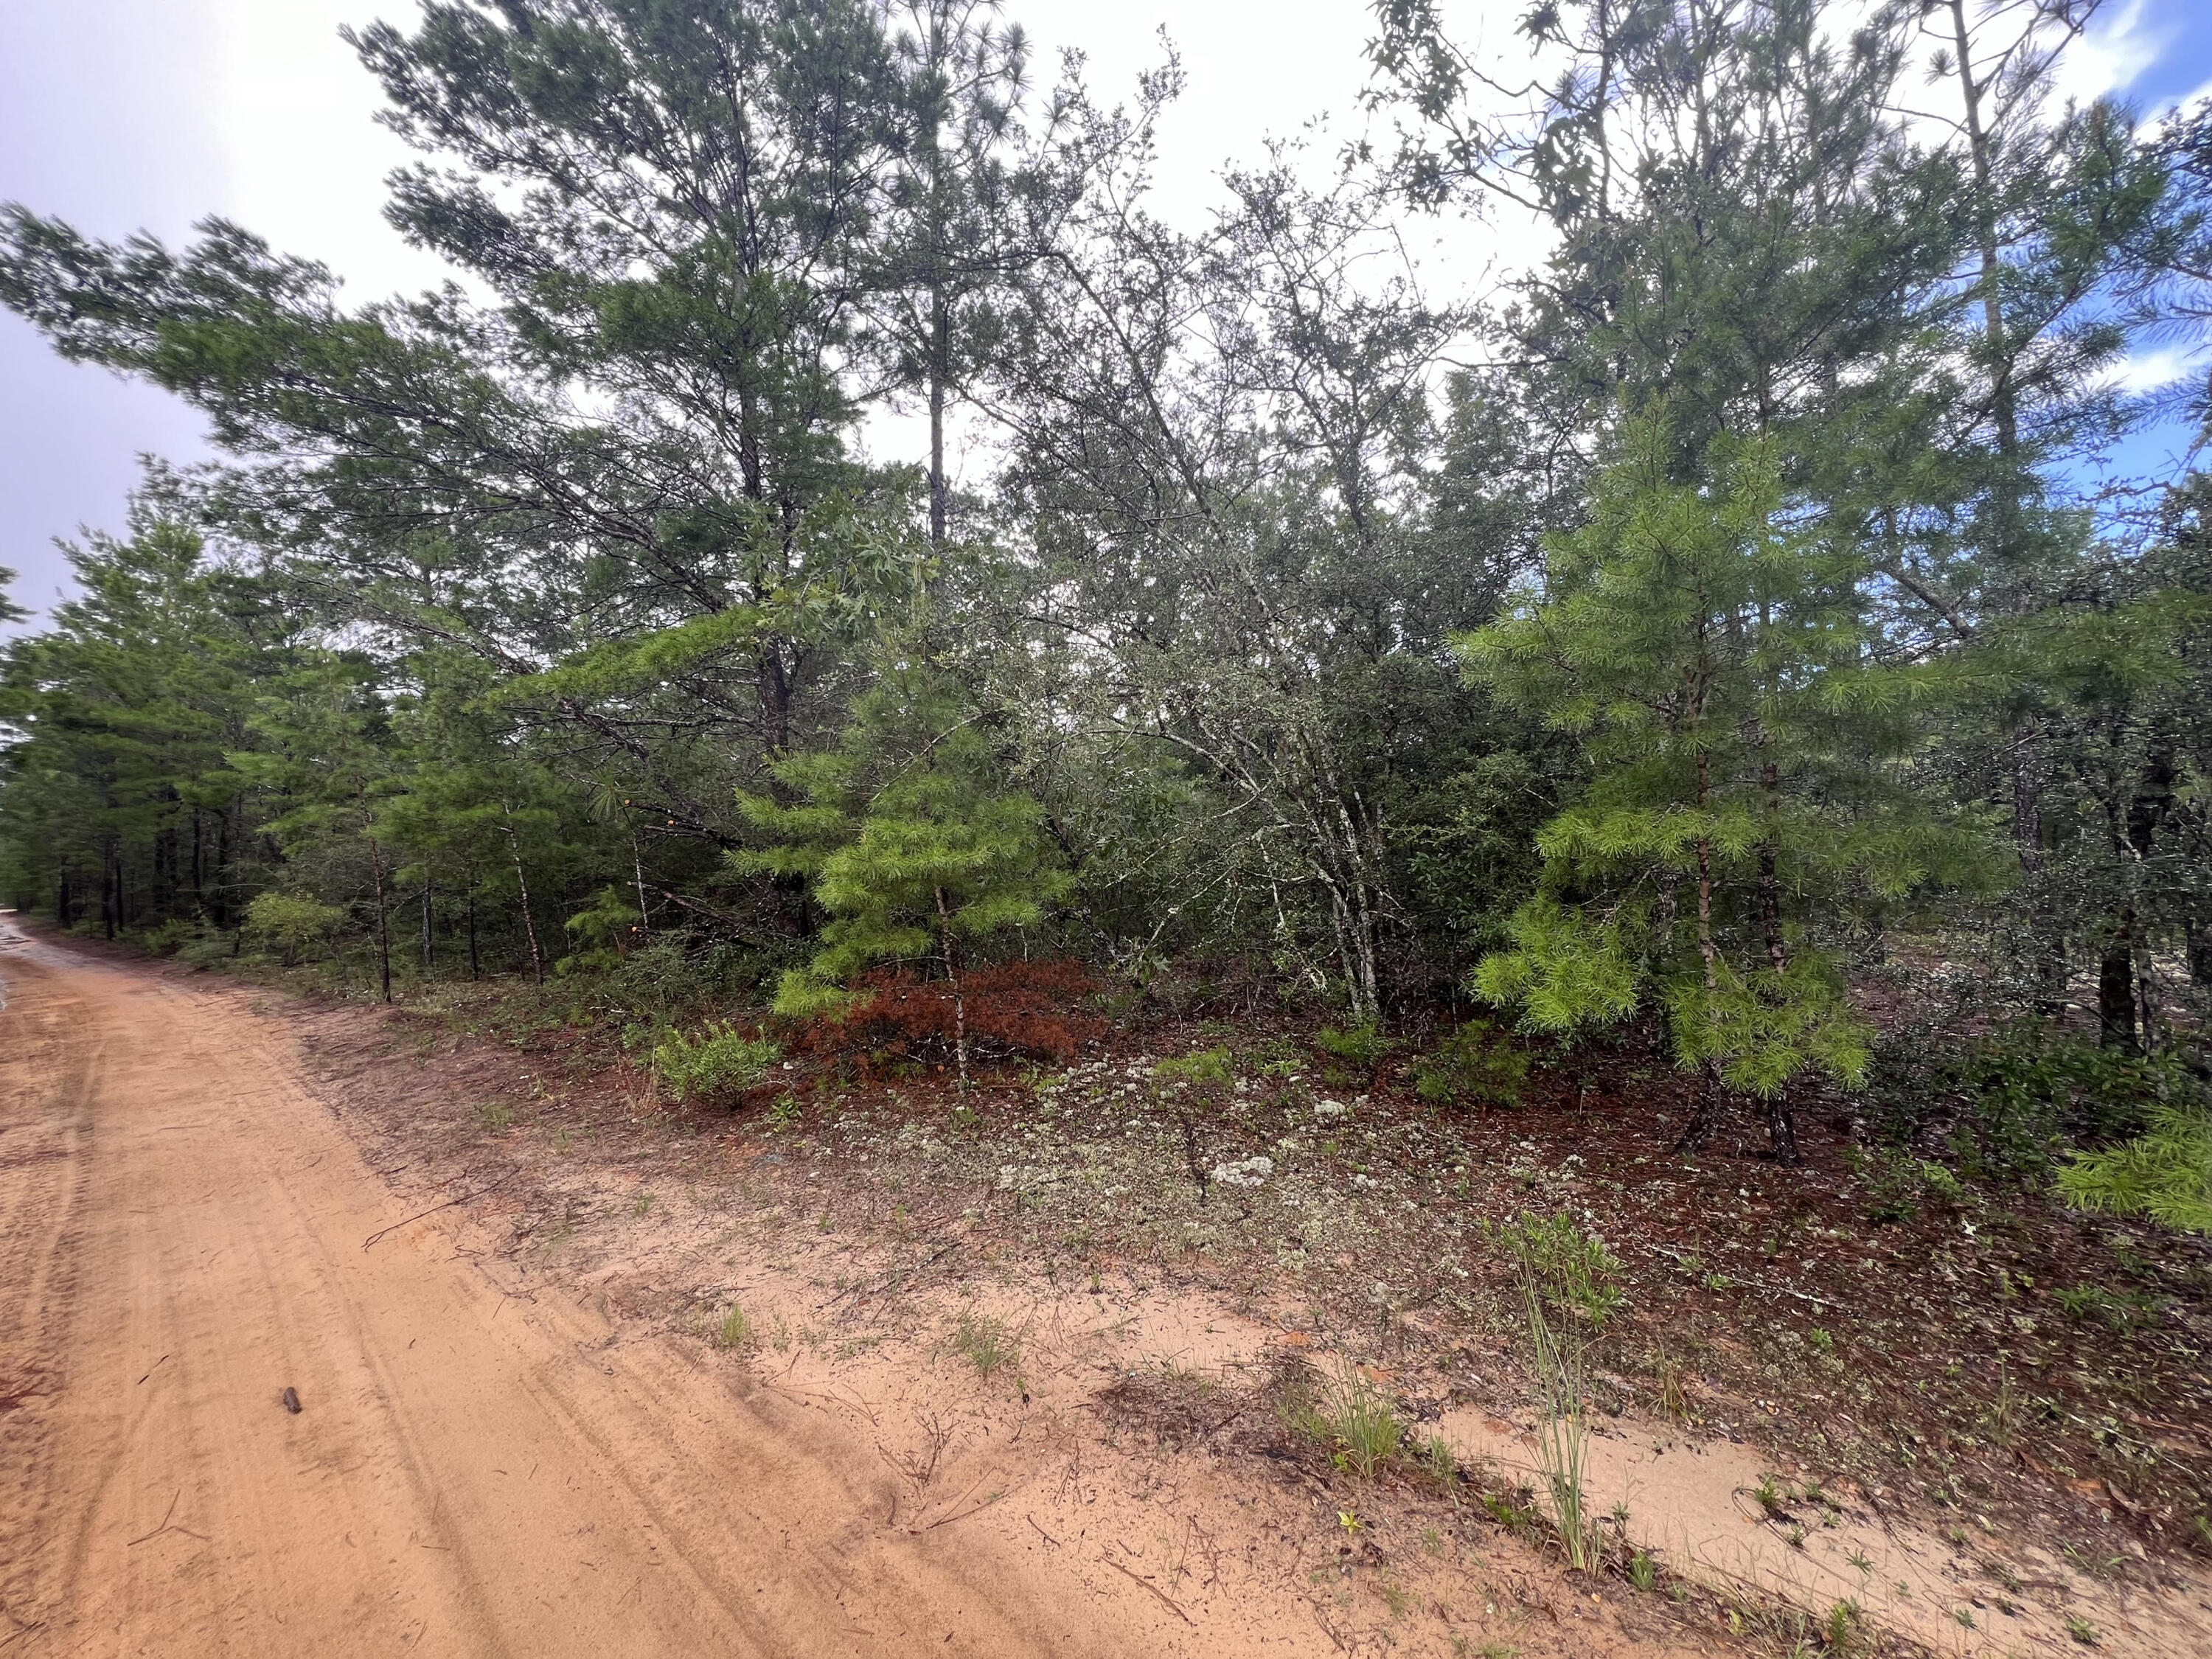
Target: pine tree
913,845
1710,655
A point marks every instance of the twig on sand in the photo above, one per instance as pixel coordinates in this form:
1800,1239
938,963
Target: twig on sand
1166,1600
165,1527
464,1199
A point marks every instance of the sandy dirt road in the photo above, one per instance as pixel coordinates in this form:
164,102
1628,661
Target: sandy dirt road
181,1239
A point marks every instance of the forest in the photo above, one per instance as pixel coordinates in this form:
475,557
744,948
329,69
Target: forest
1775,620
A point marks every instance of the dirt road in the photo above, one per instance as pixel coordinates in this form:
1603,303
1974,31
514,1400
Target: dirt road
181,1240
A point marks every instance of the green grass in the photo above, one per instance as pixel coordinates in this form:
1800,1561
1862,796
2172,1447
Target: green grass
734,1329
988,1343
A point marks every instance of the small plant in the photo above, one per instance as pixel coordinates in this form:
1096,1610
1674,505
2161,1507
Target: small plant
1822,1341
641,1205
987,1344
1359,1050
1568,1291
1673,1398
721,1061
1643,1571
1843,1620
733,1330
2083,1631
1768,1495
1898,1184
1474,1066
2121,1311
497,1116
1348,1413
784,1114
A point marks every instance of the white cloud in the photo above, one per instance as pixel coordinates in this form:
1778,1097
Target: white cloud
2113,55
2151,371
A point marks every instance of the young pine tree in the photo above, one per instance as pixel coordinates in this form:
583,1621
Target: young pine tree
1744,806
913,845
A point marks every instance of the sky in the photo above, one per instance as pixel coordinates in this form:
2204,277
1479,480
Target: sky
122,115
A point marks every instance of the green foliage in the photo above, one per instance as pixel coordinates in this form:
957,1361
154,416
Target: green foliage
718,1061
609,923
909,839
1206,1068
2164,1174
294,926
1475,1064
1709,654
1361,1048
1898,1183
1346,1412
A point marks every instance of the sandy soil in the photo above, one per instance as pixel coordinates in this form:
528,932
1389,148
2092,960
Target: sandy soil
186,1233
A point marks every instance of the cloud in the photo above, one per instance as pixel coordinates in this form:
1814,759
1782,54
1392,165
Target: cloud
2111,57
2151,371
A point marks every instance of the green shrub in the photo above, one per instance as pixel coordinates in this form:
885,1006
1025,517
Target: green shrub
1474,1066
1209,1069
206,948
721,1061
1898,1184
170,937
2013,1106
602,932
295,927
1361,1049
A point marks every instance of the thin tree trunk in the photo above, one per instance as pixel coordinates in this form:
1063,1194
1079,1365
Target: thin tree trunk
383,922
476,966
959,1004
428,945
1707,1110
939,347
637,869
2116,988
529,926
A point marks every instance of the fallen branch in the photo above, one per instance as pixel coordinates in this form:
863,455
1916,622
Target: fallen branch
1166,1600
464,1199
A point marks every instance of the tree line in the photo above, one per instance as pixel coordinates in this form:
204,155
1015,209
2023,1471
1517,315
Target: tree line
1764,586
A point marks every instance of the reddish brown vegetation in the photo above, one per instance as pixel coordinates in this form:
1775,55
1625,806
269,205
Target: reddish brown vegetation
1015,1011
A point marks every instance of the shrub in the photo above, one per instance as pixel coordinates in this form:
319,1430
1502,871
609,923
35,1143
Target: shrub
1474,1065
2012,1106
1898,1183
170,937
1361,1049
1209,1069
722,1059
1015,1011
292,925
604,931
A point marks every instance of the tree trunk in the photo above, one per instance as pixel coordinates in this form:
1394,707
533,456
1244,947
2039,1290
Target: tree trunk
476,967
2116,989
1705,1113
383,920
959,1004
529,926
61,902
940,342
428,946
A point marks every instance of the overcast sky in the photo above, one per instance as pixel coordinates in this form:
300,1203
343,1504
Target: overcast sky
120,115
